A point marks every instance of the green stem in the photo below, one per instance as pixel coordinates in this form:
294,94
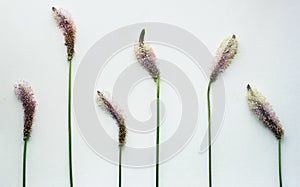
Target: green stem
24,162
279,162
157,130
69,122
120,166
209,135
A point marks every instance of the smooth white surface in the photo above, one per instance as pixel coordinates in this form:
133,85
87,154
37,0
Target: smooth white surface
245,153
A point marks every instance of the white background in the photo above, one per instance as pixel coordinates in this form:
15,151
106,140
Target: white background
245,153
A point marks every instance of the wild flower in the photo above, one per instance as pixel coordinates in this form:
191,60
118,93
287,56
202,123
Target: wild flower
66,24
25,94
224,56
106,105
263,110
146,57
103,102
259,105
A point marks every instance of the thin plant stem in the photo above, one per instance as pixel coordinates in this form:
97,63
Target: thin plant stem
157,130
209,135
120,166
24,162
70,122
279,162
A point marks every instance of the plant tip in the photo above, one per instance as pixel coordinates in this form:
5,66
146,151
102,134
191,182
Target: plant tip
142,36
248,87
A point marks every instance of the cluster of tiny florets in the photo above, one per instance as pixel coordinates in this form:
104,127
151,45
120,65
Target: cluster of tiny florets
66,24
146,57
263,110
26,96
108,107
224,56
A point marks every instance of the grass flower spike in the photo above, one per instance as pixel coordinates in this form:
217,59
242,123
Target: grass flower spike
66,24
146,57
26,96
263,110
103,102
224,56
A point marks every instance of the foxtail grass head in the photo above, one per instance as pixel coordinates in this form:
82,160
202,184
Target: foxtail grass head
263,110
103,102
224,56
25,95
66,24
146,57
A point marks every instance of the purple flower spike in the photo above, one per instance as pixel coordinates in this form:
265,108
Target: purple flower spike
225,54
26,96
66,24
263,110
108,107
146,57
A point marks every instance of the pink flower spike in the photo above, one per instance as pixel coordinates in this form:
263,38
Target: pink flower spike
225,54
26,96
66,24
146,57
263,110
103,102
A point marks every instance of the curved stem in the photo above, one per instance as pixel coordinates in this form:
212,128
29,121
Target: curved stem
279,162
69,122
24,162
157,130
120,166
209,135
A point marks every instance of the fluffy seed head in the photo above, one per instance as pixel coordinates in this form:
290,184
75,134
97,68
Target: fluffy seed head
26,96
66,24
108,107
263,110
224,56
146,57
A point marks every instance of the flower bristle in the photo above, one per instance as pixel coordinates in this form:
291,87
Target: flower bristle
224,56
25,94
103,102
66,24
263,110
146,57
